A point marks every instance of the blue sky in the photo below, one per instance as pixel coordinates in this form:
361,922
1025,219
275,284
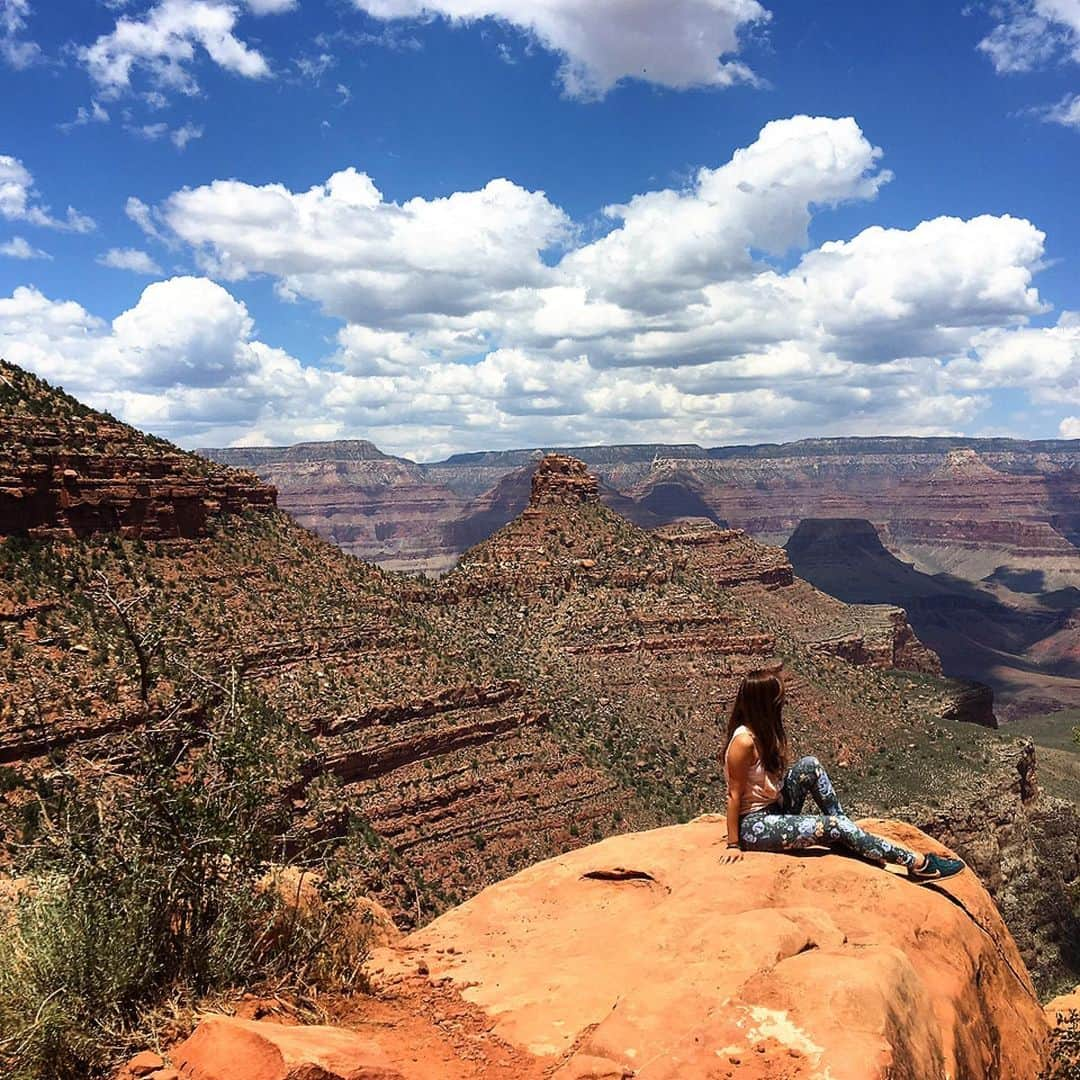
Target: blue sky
811,286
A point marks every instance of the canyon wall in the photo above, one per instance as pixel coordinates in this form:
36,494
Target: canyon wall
982,533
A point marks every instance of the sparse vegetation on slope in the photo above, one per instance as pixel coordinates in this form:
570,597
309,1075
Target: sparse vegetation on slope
148,877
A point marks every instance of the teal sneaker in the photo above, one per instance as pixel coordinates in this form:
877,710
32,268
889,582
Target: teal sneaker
936,868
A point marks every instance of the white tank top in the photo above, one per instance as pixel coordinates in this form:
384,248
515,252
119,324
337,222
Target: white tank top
761,789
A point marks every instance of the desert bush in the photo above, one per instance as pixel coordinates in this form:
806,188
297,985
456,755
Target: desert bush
143,885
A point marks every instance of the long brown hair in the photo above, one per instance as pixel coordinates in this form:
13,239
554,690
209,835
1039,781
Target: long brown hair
759,705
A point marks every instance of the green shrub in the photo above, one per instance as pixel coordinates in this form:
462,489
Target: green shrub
148,882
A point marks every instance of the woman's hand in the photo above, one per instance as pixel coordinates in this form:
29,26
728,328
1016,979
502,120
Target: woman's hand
731,855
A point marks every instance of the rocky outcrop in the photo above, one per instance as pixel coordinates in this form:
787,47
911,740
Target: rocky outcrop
779,965
967,702
796,966
559,479
877,635
72,473
729,556
227,1048
1023,844
454,769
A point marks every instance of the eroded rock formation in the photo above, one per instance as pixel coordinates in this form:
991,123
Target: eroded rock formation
1000,517
378,507
980,634
66,471
780,965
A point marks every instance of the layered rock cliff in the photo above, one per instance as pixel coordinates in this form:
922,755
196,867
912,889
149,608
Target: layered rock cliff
567,680
372,505
979,633
1000,515
637,640
66,471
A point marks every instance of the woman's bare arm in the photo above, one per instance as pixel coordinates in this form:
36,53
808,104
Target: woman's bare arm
740,757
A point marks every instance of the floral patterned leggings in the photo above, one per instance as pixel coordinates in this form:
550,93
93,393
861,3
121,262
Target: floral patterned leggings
784,827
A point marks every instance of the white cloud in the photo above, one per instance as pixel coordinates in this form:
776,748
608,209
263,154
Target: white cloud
143,216
179,137
95,114
150,132
680,279
675,43
314,67
15,50
1066,112
488,318
187,132
672,241
1044,360
133,259
1070,427
368,259
19,201
19,248
1032,34
164,44
184,362
271,7
185,332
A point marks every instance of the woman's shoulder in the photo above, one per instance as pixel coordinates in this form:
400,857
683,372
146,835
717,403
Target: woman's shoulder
742,743
743,736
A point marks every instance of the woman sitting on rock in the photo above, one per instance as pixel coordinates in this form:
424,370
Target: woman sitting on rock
765,800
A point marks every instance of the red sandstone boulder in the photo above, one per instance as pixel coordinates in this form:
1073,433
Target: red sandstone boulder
645,953
225,1048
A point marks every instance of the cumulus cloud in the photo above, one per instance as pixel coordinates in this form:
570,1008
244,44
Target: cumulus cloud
490,318
676,43
1070,427
368,259
133,259
682,277
164,43
19,200
1043,360
19,248
185,332
185,362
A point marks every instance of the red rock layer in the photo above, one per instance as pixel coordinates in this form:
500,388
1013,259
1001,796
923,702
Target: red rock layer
872,634
70,472
660,627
